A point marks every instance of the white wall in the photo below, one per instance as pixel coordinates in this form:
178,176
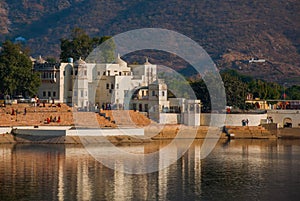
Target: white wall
168,118
235,119
278,116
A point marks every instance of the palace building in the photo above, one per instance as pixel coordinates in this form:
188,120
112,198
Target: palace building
112,86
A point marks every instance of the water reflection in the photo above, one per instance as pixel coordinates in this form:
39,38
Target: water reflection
241,170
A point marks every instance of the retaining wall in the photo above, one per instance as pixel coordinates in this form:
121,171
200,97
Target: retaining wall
234,119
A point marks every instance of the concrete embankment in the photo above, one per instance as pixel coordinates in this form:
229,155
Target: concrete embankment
288,133
239,132
154,132
11,139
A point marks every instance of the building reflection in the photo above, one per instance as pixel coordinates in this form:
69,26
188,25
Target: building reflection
69,172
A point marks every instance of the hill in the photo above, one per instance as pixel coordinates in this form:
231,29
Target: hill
231,31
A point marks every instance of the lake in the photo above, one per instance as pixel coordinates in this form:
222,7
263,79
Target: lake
235,170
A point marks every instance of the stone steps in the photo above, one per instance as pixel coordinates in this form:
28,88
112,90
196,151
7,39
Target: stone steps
128,118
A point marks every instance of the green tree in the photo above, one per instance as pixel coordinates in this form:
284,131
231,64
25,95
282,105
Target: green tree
16,73
264,90
235,89
202,93
81,45
293,92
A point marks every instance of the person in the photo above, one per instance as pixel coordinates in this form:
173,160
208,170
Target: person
12,111
25,111
247,122
58,120
38,102
243,122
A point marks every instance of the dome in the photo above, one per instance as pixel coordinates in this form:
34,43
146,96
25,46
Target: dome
80,62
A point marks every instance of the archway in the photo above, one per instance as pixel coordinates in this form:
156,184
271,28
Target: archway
287,122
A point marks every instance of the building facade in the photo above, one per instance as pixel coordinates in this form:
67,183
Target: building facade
110,86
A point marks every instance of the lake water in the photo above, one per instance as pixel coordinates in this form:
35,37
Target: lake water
239,170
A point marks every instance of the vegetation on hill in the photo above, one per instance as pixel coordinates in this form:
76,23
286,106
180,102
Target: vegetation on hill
16,75
238,86
231,31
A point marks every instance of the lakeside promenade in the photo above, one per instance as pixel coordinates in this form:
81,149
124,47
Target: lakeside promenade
37,118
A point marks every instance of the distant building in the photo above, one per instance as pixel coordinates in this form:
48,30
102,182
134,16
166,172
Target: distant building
252,60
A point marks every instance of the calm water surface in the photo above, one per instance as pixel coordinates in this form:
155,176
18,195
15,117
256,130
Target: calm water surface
239,170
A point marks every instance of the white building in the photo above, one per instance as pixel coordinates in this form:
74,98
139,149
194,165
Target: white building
110,86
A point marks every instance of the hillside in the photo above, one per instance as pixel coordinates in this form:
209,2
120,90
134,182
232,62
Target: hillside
231,31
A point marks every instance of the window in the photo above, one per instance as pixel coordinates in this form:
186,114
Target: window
86,93
81,93
54,93
112,86
64,73
49,93
153,93
117,86
104,73
108,72
75,93
99,73
85,72
76,72
107,86
44,93
163,93
120,73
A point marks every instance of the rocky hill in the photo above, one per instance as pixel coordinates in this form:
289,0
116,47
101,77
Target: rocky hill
231,31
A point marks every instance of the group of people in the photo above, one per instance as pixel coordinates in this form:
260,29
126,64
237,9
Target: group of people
51,119
106,106
245,122
16,112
